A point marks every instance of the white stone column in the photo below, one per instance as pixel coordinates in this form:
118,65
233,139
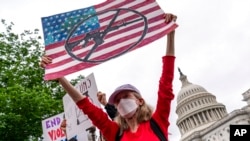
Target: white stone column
199,118
205,118
196,120
192,122
208,115
213,114
216,111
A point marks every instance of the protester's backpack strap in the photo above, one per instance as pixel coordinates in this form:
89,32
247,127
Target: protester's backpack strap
154,126
157,130
118,135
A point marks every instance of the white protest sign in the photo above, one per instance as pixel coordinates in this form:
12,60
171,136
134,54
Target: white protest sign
51,128
77,121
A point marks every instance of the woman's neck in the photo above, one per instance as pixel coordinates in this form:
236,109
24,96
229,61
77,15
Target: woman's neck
133,124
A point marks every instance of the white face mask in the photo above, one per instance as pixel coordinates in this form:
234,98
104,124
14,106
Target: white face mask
127,107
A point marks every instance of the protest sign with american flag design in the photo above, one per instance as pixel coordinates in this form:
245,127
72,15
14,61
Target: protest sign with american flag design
83,38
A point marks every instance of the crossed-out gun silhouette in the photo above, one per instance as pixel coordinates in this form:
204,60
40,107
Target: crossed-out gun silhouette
98,36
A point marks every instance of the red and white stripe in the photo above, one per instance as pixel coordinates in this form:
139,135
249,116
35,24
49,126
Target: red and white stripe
115,41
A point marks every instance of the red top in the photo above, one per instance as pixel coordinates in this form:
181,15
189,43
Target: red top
144,132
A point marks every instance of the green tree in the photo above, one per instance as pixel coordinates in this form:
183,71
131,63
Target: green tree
25,98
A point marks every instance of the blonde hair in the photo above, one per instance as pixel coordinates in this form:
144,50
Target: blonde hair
143,114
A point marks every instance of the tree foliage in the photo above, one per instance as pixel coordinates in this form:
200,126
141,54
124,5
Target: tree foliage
25,98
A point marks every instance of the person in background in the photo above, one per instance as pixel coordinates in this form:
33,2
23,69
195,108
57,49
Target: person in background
63,128
63,125
134,114
110,109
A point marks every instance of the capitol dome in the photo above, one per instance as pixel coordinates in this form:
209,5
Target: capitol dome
196,108
188,91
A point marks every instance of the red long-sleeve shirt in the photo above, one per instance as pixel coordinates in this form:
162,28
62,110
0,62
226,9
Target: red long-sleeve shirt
144,132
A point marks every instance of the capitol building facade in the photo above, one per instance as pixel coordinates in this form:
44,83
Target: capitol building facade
202,118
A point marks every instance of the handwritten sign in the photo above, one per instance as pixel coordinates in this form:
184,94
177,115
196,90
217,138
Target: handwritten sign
77,121
51,128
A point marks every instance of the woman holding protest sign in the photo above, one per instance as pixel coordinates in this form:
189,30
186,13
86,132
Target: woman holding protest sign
135,117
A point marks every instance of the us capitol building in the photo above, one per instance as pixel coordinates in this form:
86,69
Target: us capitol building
202,118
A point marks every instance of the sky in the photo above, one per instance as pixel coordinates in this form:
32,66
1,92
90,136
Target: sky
212,48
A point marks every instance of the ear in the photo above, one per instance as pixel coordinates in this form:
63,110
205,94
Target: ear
140,101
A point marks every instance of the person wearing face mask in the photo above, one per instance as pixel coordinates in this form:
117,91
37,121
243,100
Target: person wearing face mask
133,120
